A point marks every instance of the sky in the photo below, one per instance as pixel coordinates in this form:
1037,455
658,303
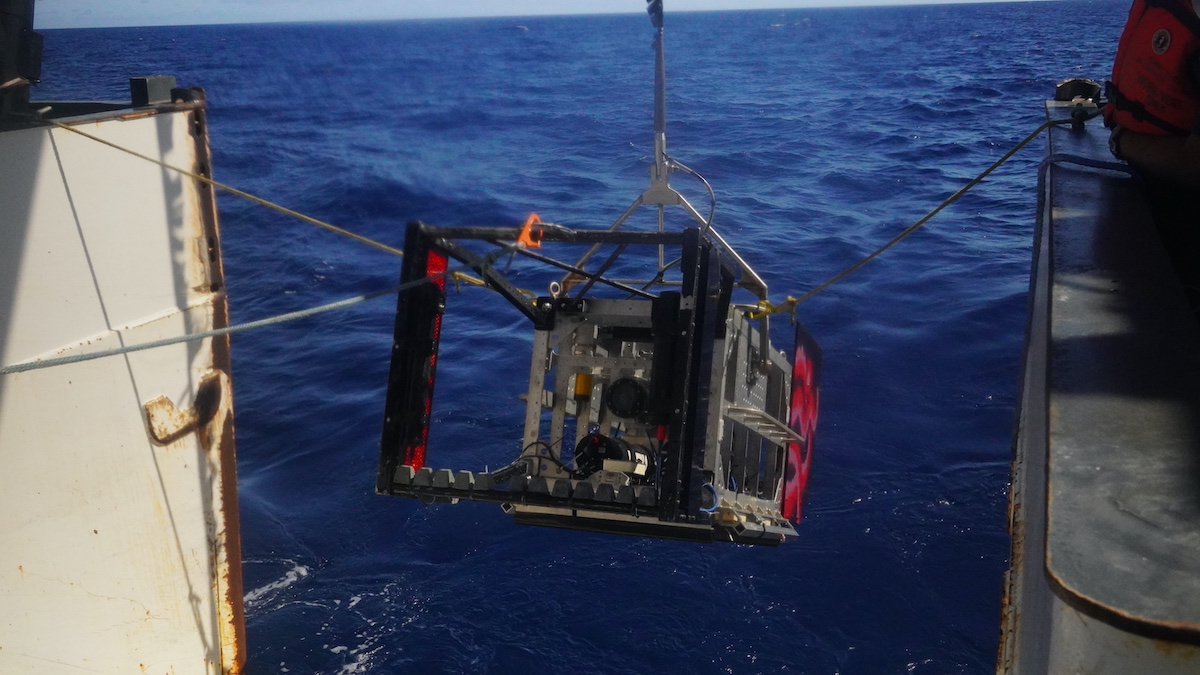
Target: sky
100,13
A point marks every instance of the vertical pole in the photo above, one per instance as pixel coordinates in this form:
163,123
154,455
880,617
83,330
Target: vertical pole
661,248
660,90
536,389
660,96
20,55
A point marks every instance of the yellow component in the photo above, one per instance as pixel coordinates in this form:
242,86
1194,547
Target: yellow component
467,278
583,385
766,307
475,281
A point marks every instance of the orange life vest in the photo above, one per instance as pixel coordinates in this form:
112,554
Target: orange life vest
1152,89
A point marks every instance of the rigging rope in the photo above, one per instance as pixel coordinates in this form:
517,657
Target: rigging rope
789,305
270,321
234,191
765,307
458,277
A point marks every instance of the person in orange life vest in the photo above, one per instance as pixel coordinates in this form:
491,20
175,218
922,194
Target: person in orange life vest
1154,94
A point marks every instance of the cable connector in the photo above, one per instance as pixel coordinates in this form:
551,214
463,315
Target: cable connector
767,308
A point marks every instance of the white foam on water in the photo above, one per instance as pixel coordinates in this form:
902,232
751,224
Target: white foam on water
293,575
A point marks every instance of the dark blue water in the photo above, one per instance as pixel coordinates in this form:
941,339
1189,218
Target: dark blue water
824,132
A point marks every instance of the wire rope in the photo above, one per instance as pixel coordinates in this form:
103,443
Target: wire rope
790,303
261,323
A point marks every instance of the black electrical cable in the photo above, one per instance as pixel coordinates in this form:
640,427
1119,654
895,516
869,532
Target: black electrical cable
550,449
712,196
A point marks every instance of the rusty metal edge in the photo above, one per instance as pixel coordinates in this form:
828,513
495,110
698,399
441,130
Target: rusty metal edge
124,113
1183,633
1019,501
228,558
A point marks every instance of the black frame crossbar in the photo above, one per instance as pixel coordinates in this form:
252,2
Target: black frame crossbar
553,232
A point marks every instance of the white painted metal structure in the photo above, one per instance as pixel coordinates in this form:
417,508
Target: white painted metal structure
119,548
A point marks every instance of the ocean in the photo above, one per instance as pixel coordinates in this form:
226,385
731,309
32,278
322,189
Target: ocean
823,131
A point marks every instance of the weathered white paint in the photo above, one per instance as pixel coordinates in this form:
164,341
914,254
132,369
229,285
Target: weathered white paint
114,554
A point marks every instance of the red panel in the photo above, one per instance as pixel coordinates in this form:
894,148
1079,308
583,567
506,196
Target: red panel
414,455
437,263
802,418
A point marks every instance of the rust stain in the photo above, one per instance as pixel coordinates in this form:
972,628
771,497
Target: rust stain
1176,650
137,115
217,432
229,553
216,438
167,423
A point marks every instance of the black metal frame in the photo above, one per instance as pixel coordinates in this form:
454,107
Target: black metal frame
413,370
686,327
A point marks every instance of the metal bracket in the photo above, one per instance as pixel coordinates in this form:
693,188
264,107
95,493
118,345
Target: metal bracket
483,267
167,423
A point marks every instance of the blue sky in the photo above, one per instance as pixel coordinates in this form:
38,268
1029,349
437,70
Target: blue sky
96,13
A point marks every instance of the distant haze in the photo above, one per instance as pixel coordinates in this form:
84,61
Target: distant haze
102,13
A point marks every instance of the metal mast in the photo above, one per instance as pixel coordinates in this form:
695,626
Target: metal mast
660,193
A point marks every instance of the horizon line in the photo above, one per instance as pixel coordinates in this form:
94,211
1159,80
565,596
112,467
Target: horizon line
852,4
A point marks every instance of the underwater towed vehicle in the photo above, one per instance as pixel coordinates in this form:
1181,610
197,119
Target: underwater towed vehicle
655,407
